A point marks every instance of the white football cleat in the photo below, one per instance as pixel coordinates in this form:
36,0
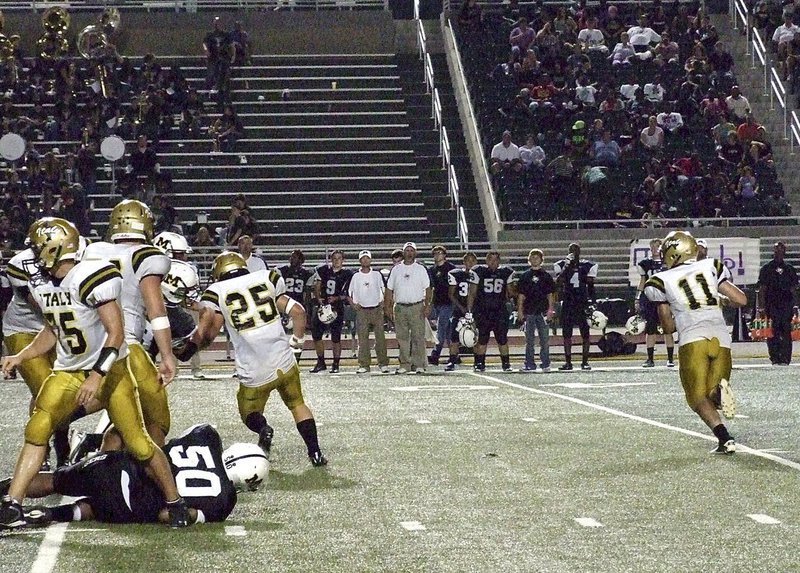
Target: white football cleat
727,401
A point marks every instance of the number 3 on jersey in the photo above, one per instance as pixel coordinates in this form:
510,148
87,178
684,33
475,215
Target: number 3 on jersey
251,308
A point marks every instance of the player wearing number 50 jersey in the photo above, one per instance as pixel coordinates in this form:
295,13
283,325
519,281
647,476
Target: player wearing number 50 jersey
84,322
115,488
249,305
694,292
142,267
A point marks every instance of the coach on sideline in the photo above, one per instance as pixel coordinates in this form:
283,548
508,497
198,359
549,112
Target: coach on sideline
407,303
366,297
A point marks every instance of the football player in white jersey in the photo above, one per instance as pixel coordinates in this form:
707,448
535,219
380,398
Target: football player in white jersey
142,267
22,321
694,292
84,322
250,305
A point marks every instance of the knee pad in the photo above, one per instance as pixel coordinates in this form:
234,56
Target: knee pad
39,428
140,446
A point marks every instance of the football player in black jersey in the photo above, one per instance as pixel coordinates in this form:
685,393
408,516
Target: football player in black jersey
490,288
649,310
458,282
114,487
442,306
575,281
331,282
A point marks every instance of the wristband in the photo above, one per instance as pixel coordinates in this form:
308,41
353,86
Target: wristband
159,323
108,356
201,517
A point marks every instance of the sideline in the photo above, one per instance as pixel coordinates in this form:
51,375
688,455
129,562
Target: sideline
51,546
740,448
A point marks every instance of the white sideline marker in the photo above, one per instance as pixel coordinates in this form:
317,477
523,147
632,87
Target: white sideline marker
423,421
49,549
588,522
412,526
763,519
529,420
235,531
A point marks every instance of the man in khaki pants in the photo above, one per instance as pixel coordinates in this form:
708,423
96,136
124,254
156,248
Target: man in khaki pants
366,297
408,297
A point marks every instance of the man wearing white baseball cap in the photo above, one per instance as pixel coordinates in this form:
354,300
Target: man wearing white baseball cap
702,249
408,297
366,298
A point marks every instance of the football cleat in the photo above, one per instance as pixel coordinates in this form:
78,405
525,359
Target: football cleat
335,368
450,366
384,369
38,516
545,369
565,367
85,445
362,370
320,367
131,219
479,368
670,364
586,366
403,371
225,263
317,459
11,514
727,401
178,513
649,364
728,447
507,368
265,438
528,368
677,248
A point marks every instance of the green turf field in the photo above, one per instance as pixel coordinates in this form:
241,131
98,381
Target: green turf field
586,471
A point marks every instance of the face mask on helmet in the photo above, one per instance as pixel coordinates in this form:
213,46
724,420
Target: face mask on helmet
467,333
53,241
247,466
181,285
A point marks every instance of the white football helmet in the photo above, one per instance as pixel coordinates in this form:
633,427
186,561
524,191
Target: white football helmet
326,314
597,320
635,325
181,285
247,466
172,243
467,333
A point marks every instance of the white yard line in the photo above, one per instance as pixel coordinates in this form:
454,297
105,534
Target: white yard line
588,522
235,530
740,448
48,551
423,421
412,526
763,519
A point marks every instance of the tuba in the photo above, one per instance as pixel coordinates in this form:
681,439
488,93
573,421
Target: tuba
110,21
8,56
92,44
53,44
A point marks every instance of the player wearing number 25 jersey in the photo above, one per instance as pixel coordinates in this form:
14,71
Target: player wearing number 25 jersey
116,489
249,305
694,291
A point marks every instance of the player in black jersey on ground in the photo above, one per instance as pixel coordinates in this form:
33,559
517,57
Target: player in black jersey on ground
458,284
331,282
649,310
490,288
575,281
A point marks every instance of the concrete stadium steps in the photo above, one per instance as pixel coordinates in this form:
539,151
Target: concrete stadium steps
227,172
274,158
324,93
305,83
327,118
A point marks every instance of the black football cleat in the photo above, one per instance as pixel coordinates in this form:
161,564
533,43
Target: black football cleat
565,367
479,368
585,366
725,448
320,367
649,364
87,444
265,438
11,514
38,517
178,513
317,459
335,368
450,366
433,360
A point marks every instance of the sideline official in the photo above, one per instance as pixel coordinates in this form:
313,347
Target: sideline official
777,282
366,298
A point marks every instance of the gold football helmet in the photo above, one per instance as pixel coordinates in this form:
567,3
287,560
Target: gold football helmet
52,241
225,263
131,219
678,247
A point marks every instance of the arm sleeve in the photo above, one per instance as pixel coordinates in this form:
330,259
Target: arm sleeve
451,279
210,299
103,287
149,261
17,277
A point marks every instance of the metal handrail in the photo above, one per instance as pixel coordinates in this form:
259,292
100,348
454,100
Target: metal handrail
761,51
437,108
452,184
473,122
195,5
445,145
686,222
463,232
422,41
428,73
740,9
778,92
795,129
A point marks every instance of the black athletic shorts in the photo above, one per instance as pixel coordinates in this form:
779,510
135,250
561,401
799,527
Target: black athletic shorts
574,315
492,320
114,485
649,311
456,316
318,327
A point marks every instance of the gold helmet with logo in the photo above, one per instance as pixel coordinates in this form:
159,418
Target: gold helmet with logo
225,263
52,241
678,247
131,219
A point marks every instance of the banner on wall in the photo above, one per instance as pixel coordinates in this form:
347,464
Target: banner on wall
741,255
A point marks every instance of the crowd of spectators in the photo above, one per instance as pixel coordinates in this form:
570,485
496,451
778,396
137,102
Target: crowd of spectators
52,97
628,112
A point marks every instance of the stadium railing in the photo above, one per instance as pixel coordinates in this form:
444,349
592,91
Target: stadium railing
195,5
444,140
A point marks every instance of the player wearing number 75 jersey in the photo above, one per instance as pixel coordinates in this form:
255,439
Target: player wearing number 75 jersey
690,295
250,305
115,488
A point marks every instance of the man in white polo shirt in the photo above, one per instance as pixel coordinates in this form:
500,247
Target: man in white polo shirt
366,297
408,296
254,262
506,157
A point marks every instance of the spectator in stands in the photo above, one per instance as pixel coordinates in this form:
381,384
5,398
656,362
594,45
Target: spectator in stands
532,155
73,206
606,151
470,16
623,51
738,106
666,51
688,167
203,238
165,214
244,224
226,130
671,121
592,39
506,157
641,36
747,188
722,63
652,136
521,38
564,26
782,38
585,92
543,95
721,130
612,25
731,151
240,42
654,91
219,57
748,130
245,245
191,114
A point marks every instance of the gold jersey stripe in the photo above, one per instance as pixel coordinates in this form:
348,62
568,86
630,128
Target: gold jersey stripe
103,275
139,256
718,267
655,282
17,273
210,296
274,276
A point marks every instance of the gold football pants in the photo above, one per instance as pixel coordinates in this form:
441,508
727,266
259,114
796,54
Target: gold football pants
118,395
152,395
703,364
255,399
36,370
